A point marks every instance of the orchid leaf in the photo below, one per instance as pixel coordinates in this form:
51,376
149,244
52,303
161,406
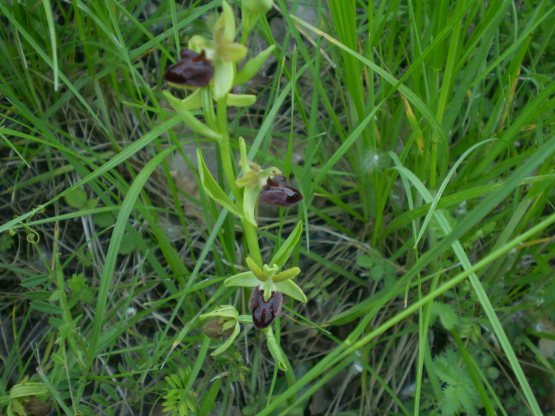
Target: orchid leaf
284,252
212,188
190,120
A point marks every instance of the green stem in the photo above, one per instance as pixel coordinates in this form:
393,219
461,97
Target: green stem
227,159
251,236
226,155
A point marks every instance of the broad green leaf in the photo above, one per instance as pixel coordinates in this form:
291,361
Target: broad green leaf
128,244
282,255
76,198
190,120
212,188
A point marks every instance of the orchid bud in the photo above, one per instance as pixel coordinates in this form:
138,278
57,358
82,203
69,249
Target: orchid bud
257,6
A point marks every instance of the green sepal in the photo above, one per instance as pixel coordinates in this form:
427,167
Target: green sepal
245,279
226,22
240,100
212,188
227,343
252,66
190,120
223,311
285,250
291,289
275,349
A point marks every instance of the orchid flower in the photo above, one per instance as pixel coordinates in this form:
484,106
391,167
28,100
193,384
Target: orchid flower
221,50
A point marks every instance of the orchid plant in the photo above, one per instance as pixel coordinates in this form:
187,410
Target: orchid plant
208,71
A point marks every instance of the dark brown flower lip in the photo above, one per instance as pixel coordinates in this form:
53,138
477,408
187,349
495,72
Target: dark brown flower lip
264,313
194,70
278,191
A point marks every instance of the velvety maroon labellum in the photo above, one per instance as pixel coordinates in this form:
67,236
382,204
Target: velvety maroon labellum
278,192
193,70
264,313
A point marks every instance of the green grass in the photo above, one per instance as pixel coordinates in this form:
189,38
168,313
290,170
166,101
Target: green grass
426,133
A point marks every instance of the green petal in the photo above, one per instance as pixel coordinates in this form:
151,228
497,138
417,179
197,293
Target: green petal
223,78
244,161
255,269
228,341
286,274
291,289
249,179
199,43
245,279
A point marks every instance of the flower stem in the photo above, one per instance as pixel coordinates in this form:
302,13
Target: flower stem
226,155
227,158
252,242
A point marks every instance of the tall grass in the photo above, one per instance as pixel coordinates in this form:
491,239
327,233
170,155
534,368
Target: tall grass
424,132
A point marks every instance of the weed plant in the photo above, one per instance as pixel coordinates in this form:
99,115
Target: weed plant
421,137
